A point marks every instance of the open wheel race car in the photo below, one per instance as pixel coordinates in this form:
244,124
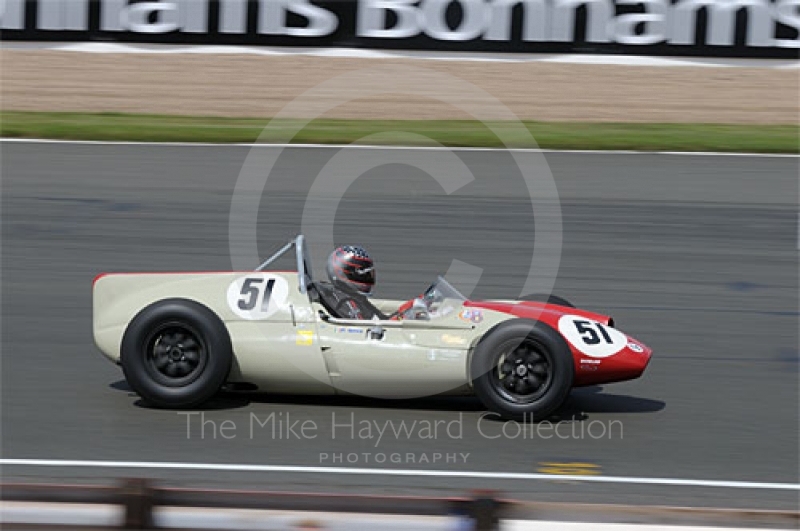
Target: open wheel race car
180,337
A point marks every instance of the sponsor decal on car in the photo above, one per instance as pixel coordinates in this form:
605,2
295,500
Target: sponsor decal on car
635,347
348,330
305,338
590,365
451,339
471,315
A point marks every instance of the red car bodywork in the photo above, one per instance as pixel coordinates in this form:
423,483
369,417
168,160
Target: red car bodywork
626,364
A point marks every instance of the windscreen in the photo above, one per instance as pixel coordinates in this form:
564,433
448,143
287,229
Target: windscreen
441,299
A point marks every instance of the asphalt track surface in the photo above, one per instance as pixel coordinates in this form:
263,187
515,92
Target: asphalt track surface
694,255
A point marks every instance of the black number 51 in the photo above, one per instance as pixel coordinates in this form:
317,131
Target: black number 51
251,288
588,333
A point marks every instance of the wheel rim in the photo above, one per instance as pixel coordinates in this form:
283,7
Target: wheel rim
176,354
523,371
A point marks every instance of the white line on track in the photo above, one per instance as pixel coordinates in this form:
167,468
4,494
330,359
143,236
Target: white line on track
388,147
65,463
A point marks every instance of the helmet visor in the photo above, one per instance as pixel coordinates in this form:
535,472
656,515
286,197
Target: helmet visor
363,276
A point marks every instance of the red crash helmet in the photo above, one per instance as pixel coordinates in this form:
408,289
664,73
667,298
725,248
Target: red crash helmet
351,268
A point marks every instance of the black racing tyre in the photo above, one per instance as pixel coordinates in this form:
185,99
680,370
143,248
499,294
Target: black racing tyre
176,353
522,370
550,299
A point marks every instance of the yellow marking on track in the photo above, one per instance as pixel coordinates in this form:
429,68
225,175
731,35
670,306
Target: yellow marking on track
569,469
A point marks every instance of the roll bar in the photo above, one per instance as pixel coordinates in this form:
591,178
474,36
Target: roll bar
303,268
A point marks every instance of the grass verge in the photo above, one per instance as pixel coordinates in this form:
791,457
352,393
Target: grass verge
595,136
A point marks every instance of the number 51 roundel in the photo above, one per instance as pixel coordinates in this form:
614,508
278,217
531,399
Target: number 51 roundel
257,295
590,337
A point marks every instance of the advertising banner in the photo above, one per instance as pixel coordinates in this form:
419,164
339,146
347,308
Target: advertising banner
732,28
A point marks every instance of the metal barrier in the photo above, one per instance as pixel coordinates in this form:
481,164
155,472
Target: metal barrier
139,498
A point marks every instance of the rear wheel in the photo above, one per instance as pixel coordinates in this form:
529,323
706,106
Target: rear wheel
176,353
522,370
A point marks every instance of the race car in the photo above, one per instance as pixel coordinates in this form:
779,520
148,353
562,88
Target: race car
181,337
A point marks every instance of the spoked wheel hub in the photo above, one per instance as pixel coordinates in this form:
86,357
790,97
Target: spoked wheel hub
176,354
523,372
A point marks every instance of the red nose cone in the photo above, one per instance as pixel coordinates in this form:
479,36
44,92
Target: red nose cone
628,364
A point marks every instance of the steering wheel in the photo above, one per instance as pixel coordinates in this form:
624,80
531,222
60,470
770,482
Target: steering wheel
402,310
408,304
405,307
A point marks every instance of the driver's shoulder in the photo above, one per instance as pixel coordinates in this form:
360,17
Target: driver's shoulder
326,289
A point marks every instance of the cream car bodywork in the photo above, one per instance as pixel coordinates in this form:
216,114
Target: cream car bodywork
288,344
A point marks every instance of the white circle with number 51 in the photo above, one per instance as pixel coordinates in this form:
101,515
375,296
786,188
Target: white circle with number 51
257,295
590,337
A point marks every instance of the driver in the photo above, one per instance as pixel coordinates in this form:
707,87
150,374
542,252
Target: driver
352,275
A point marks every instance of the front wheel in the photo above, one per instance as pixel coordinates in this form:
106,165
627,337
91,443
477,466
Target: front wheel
176,353
522,370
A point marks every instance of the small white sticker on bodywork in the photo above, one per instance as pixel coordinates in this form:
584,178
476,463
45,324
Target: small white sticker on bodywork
443,354
635,347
